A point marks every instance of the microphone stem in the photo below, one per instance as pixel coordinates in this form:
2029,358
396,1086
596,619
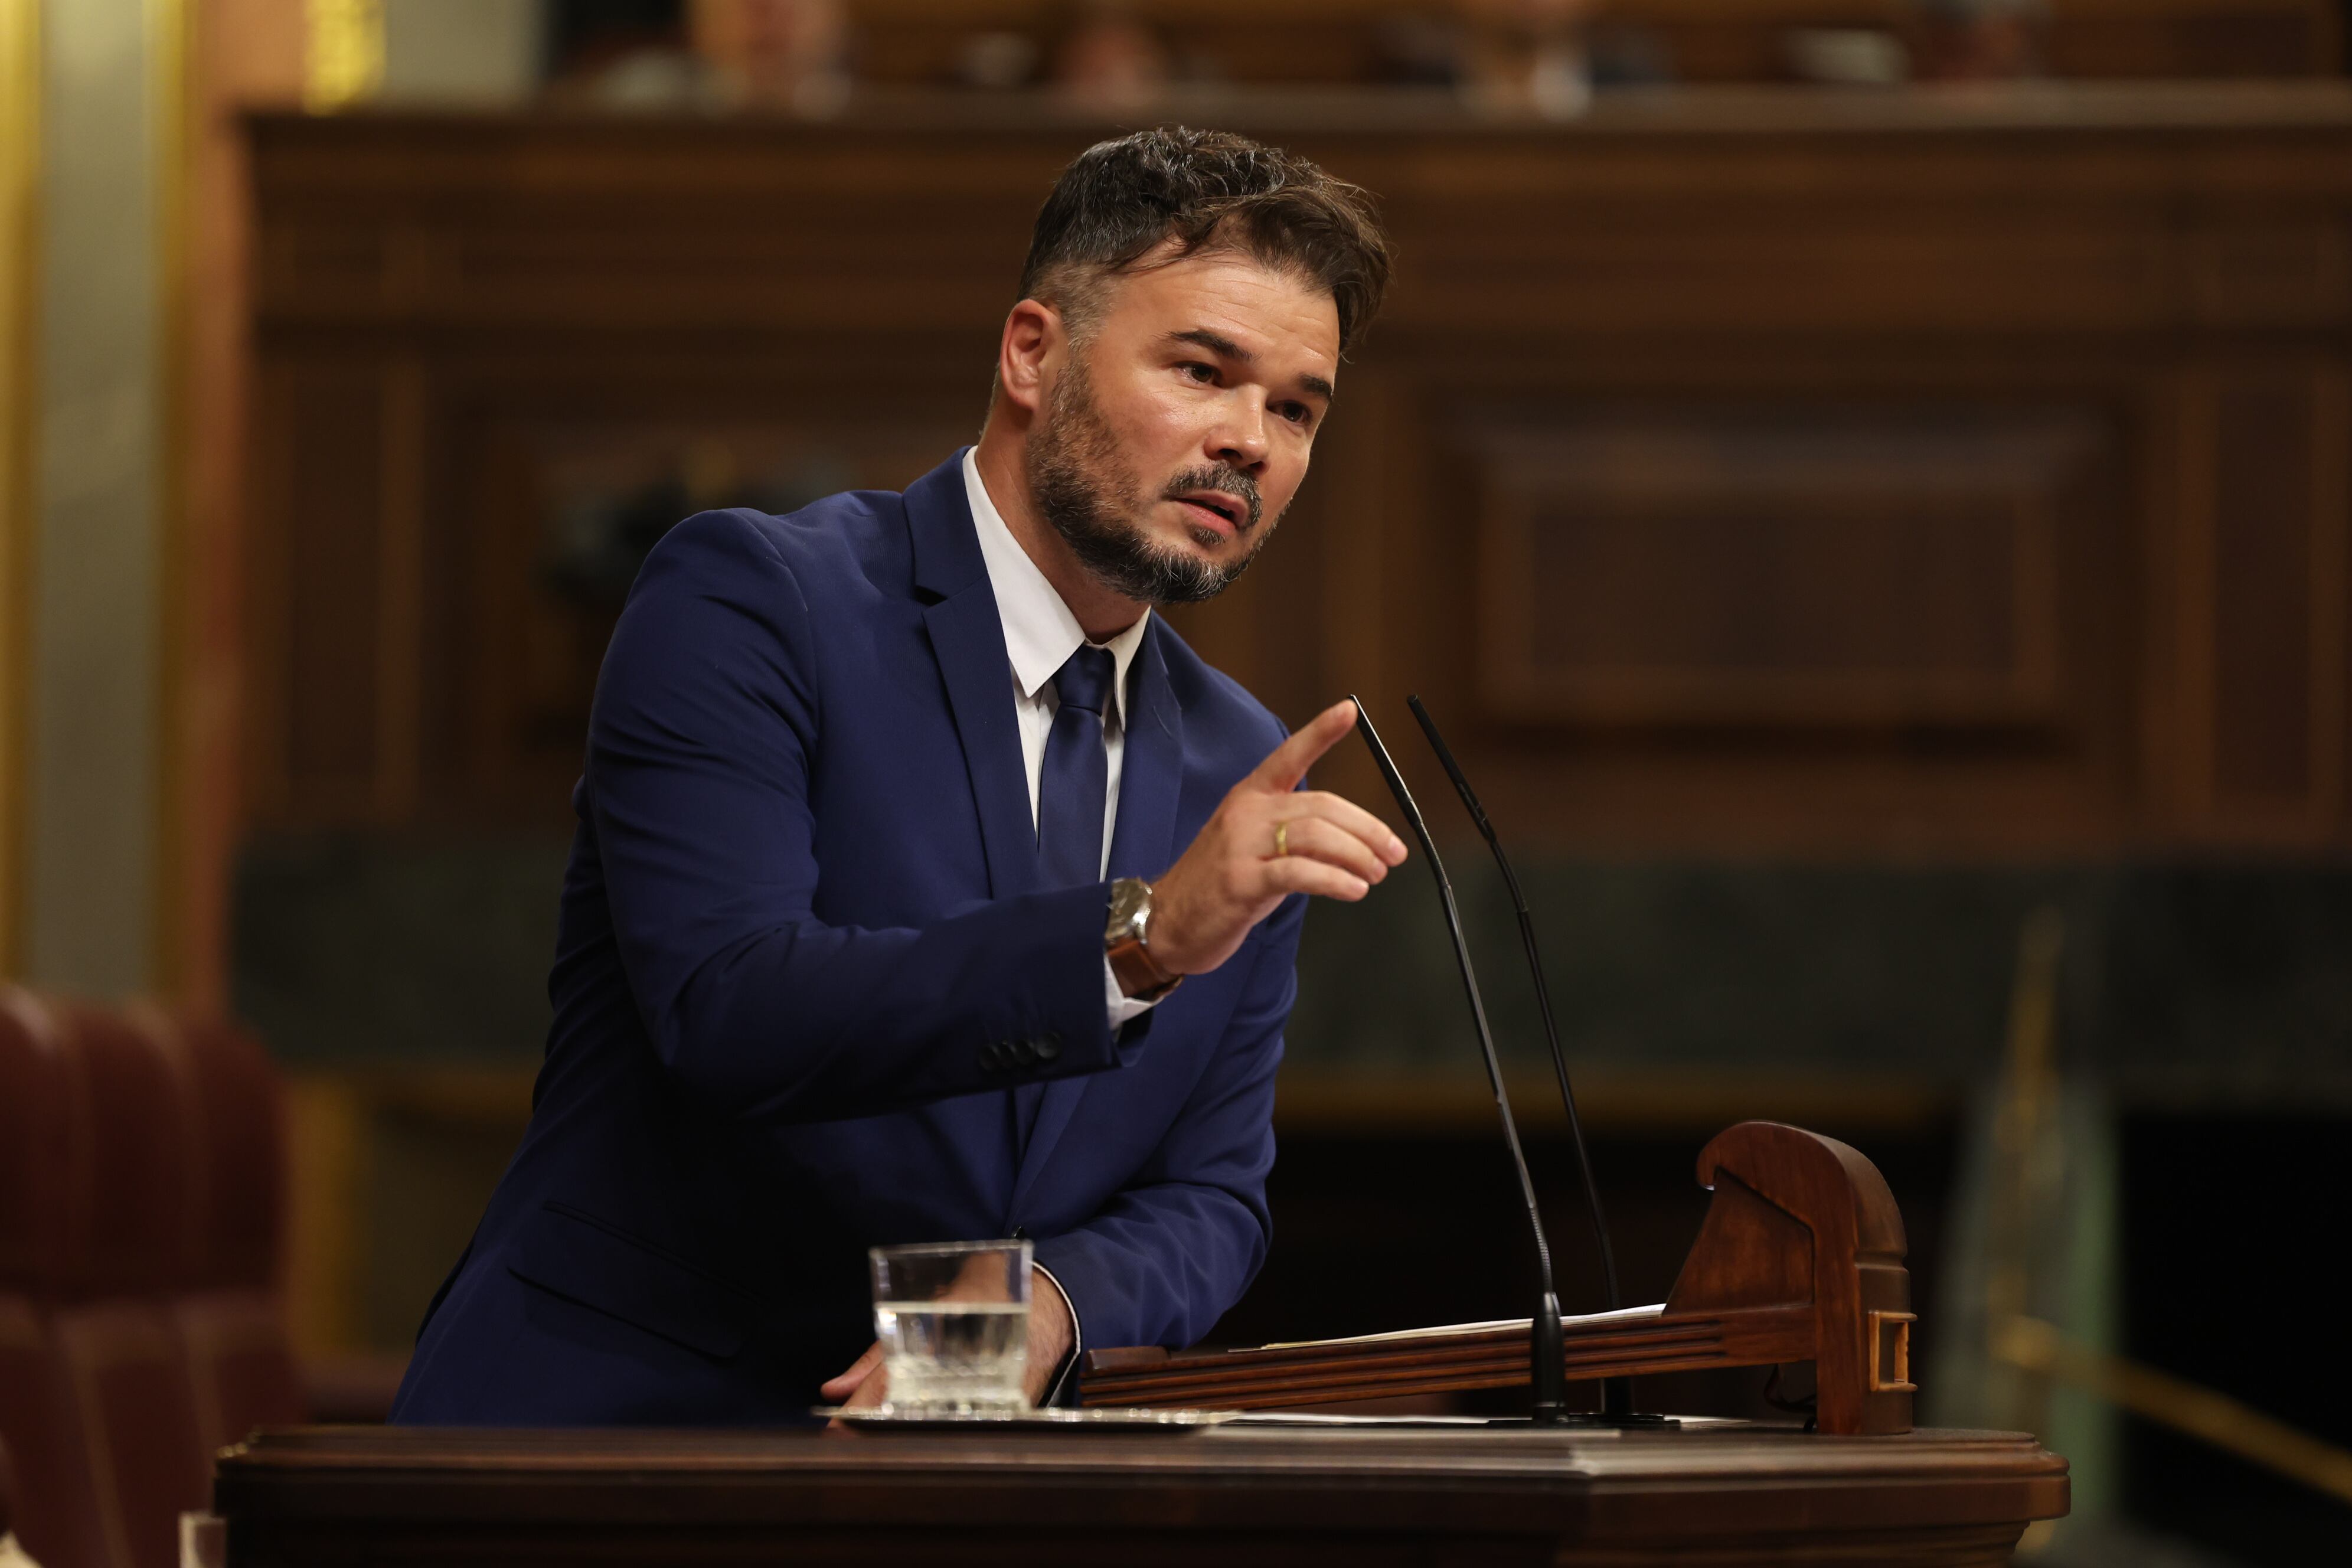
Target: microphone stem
1559,1069
1543,996
1547,1348
1616,1392
1547,1340
1494,1066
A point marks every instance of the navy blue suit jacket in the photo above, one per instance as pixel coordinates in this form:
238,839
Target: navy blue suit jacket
804,959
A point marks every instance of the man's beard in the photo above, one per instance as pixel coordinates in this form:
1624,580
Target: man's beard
1094,500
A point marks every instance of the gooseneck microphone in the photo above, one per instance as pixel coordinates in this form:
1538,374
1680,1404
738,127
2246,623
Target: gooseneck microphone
1617,1392
1547,1347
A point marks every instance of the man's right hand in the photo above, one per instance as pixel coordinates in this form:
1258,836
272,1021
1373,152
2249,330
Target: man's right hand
1232,877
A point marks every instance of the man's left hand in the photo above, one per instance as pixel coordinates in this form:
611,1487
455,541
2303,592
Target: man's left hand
1051,1330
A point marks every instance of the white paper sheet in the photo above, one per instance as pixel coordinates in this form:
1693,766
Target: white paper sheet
1403,1335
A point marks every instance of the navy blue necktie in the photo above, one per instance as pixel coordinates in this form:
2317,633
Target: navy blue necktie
1076,778
1071,788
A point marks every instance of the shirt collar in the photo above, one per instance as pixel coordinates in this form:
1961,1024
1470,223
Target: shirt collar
1040,633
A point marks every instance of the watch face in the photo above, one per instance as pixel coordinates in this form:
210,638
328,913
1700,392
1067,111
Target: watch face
1130,905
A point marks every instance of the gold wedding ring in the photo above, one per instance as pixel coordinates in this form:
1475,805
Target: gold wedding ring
1281,839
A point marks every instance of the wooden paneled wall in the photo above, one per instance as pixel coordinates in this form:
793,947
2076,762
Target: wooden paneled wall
1712,41
1732,471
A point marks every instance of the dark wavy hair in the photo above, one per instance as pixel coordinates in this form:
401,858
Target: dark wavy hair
1121,201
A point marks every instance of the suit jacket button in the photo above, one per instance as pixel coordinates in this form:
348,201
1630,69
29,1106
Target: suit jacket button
1047,1046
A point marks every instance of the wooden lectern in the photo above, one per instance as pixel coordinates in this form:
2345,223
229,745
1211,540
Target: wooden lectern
1727,1495
1800,1259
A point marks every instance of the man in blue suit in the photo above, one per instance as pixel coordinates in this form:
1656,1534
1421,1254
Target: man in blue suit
927,886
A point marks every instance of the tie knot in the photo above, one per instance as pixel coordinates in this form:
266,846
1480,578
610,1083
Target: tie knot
1084,679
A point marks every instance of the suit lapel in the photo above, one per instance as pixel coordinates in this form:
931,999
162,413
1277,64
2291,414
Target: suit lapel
1142,845
967,639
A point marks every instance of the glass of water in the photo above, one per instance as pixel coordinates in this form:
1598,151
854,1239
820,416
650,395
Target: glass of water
953,1319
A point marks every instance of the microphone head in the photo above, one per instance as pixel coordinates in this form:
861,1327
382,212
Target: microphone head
1386,764
1452,769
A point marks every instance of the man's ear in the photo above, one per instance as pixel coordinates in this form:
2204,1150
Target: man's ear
1033,333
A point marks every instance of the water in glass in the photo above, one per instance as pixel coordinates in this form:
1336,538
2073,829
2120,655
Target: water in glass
963,1354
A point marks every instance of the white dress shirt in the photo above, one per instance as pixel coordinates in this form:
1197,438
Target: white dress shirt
1040,635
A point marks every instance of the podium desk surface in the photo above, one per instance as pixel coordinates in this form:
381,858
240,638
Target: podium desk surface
1727,1494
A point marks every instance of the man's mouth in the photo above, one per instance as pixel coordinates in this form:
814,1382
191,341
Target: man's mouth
1224,515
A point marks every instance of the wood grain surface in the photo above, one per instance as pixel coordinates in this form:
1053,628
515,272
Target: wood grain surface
1724,1495
1800,1259
1734,471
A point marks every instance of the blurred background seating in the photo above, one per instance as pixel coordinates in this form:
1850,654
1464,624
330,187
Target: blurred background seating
140,1269
1862,482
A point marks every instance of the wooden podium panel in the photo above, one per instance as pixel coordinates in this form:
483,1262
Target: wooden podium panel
1726,1494
1800,1259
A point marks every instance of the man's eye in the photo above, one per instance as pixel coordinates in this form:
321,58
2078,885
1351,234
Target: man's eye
1204,374
1297,412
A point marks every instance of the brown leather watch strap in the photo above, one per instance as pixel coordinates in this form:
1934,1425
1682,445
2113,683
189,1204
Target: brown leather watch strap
1142,979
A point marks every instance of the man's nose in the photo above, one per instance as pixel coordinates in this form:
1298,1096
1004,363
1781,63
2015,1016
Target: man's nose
1240,438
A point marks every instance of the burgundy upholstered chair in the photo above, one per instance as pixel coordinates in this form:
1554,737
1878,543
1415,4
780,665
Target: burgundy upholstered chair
228,1316
132,1245
57,1516
139,1191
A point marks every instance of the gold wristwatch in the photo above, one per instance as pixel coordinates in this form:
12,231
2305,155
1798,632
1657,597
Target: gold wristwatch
1124,941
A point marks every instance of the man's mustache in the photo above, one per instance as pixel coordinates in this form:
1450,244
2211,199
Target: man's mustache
1231,481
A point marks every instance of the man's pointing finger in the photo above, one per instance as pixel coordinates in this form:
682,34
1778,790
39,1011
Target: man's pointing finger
1288,762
